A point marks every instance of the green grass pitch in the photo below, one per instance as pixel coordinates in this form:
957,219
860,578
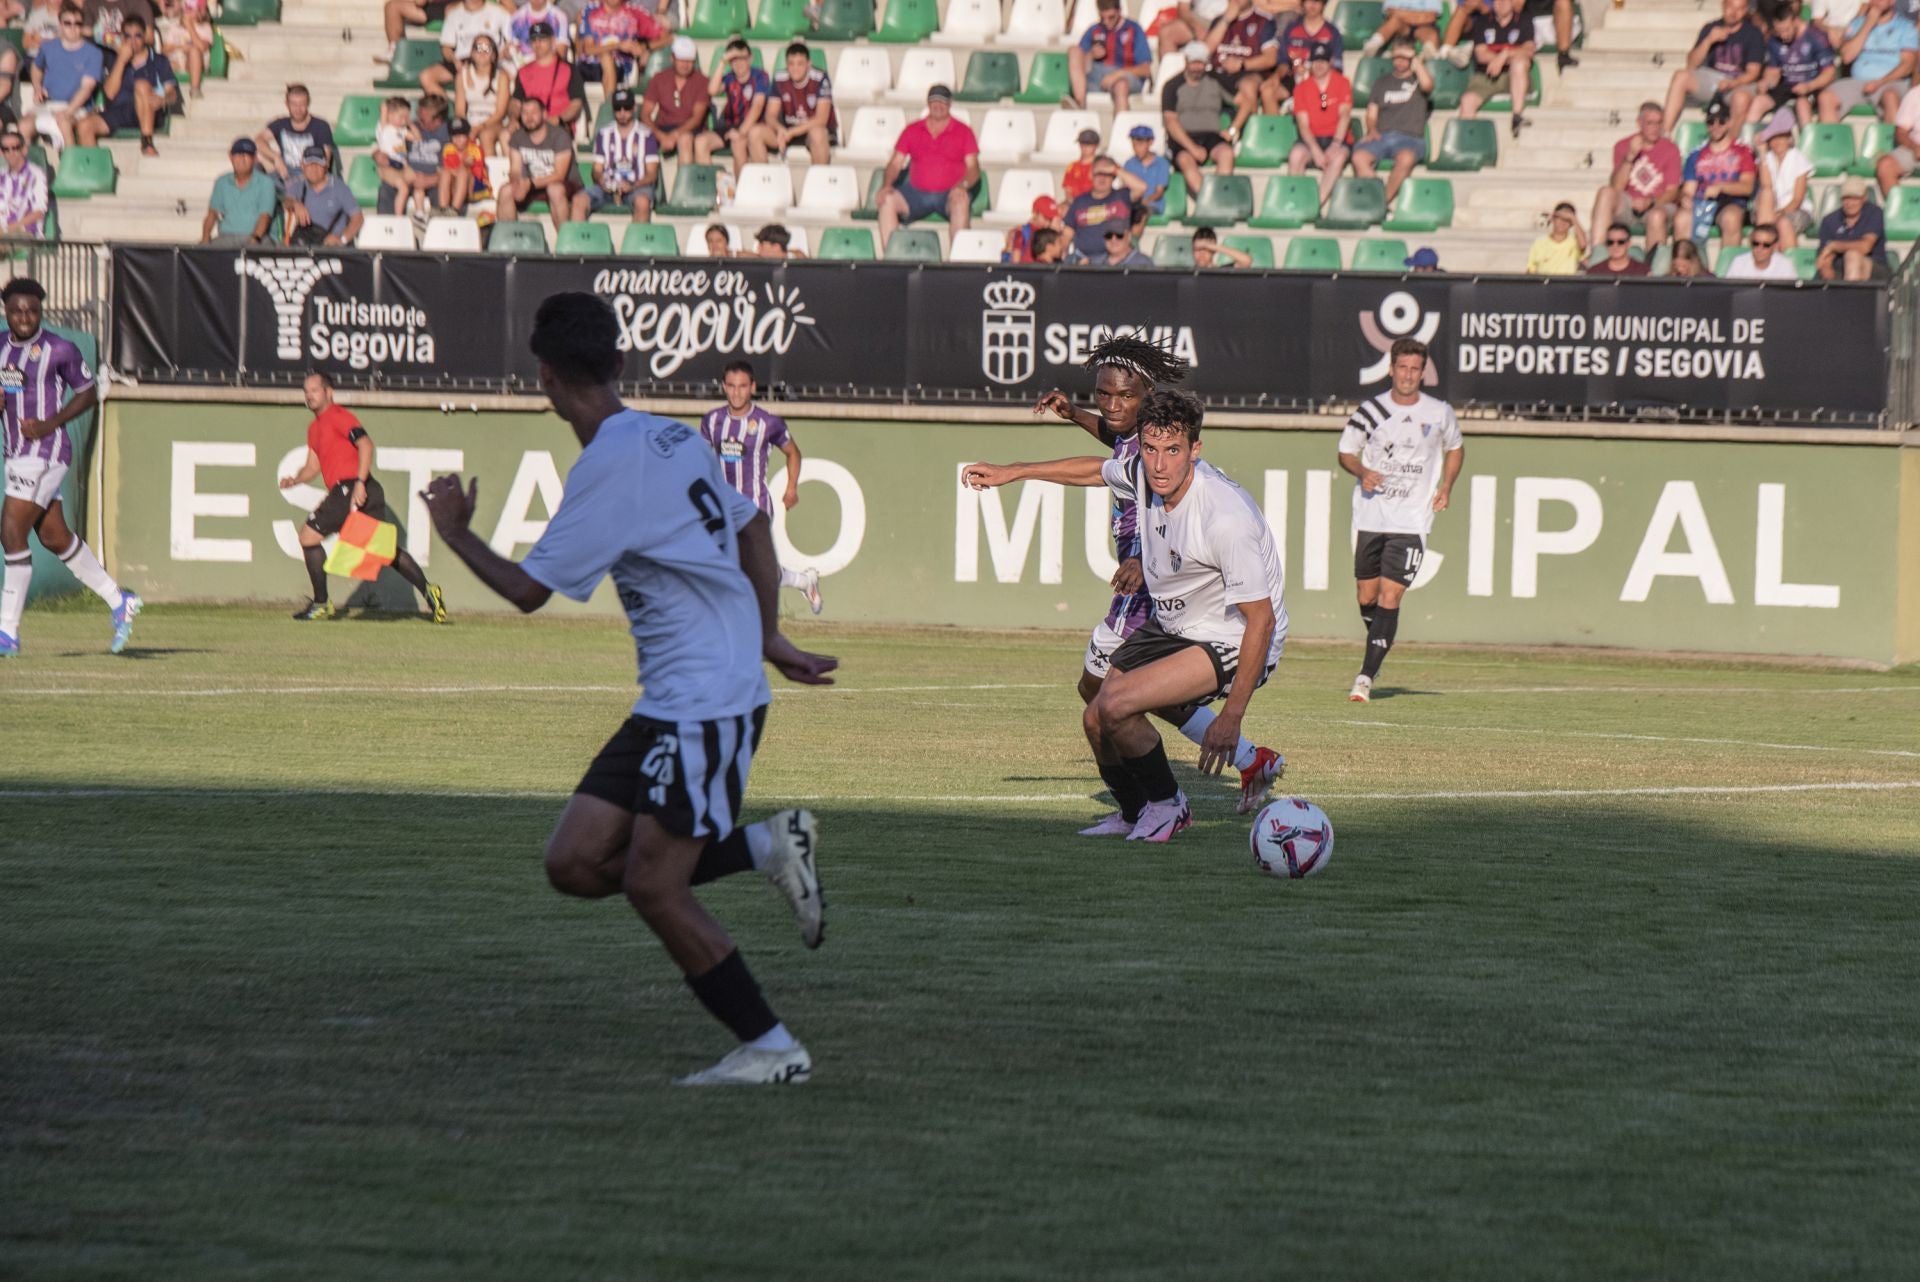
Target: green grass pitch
1612,973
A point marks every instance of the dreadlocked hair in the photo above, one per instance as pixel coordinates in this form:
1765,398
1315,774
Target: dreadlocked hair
1150,361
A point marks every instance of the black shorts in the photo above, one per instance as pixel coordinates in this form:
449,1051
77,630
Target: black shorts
1207,142
120,116
1537,9
689,775
1388,556
436,9
1235,81
1150,643
338,506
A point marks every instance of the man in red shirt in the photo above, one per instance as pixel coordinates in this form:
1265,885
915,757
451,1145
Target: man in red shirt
940,158
1323,106
678,102
550,79
340,453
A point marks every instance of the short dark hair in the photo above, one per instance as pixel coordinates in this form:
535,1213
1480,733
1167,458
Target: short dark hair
800,47
1407,347
297,87
1170,409
737,44
1206,235
738,367
1566,207
24,285
131,20
1043,240
774,234
577,336
1620,226
320,374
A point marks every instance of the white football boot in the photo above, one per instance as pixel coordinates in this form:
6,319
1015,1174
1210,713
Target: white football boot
790,867
745,1066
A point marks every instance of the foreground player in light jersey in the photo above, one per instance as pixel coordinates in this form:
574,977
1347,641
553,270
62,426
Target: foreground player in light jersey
743,434
1125,370
1404,450
45,385
657,812
1218,599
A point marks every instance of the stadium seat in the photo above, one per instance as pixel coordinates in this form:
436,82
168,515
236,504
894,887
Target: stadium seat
779,20
217,58
718,19
991,77
589,240
450,234
695,189
1355,205
976,245
1424,204
982,200
1358,19
1503,101
1826,199
1058,147
1449,82
907,22
1875,142
1903,213
1176,203
761,191
649,240
1689,136
1377,254
518,238
827,192
846,244
921,70
1006,135
1289,201
1312,254
869,209
1047,76
913,245
1019,188
658,61
385,231
1466,145
1364,73
363,180
972,23
1082,14
1173,251
1258,248
247,13
1829,147
873,133
85,172
1803,258
1662,262
1727,254
862,74
1225,200
844,20
410,58
1265,142
1039,22
1120,147
359,116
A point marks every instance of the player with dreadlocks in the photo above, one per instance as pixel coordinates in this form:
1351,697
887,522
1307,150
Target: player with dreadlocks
1126,370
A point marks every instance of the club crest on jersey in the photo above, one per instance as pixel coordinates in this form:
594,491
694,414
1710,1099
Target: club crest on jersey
1007,332
1174,557
1398,316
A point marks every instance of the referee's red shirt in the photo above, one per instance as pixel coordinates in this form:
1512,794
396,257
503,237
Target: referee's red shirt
328,436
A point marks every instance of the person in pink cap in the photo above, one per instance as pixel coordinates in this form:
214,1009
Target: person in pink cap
1019,246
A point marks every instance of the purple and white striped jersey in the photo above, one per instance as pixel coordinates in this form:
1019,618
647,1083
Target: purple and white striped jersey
1127,610
37,376
742,444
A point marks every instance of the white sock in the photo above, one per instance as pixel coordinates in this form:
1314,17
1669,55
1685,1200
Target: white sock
776,1038
759,843
1196,726
792,579
87,568
13,599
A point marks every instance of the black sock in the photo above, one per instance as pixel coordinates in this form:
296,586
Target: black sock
317,571
1154,775
409,569
1366,617
1379,640
730,996
1126,793
723,858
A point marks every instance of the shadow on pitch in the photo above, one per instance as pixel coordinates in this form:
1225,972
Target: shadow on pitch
135,652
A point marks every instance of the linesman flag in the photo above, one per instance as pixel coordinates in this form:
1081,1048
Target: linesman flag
366,547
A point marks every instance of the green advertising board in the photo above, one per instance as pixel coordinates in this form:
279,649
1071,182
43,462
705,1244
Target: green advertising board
1751,548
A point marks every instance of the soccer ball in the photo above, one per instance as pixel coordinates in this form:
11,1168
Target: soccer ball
1291,838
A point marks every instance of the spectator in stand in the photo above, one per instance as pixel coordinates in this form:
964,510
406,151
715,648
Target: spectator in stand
1153,172
398,13
185,37
551,81
1396,119
1800,66
1561,11
1323,107
1454,45
1687,262
939,159
1763,259
1245,47
1725,64
1900,161
107,20
1619,260
1117,247
1880,51
1191,105
139,90
1298,36
1562,248
518,51
23,190
678,102
1050,246
1422,261
1208,252
390,139
1645,186
1413,19
802,111
1853,238
1179,25
422,156
286,138
1079,176
719,244
482,92
240,211
65,74
540,167
1019,246
774,241
42,25
1502,61
1783,199
745,92
464,23
626,165
1719,180
1113,55
319,208
615,39
463,168
1088,216
1833,17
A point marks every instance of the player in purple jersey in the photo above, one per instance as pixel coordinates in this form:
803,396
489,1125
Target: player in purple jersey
743,434
46,385
1125,370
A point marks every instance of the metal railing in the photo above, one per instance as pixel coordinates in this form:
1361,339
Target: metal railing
75,276
1903,333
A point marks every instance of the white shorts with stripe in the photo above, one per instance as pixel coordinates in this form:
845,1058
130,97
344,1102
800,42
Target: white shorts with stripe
689,775
36,480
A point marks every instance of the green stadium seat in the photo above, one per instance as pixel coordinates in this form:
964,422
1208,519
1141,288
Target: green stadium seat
1829,147
1365,72
717,66
1690,136
1047,80
1176,203
1903,212
1355,205
357,120
1173,251
363,180
590,240
1662,262
1258,248
913,245
1424,204
982,198
1826,199
649,240
1503,101
869,209
1312,254
658,61
217,59
990,77
1378,254
410,58
1290,201
779,20
1449,82
85,172
1358,19
1466,145
517,238
1727,254
695,191
1225,200
1874,143
845,20
1265,142
1804,257
718,19
248,13
907,22
845,244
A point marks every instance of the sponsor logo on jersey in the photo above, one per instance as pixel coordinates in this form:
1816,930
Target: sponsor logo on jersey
668,437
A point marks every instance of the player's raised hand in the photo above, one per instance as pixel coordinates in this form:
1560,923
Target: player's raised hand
800,666
1129,578
1056,403
450,505
985,476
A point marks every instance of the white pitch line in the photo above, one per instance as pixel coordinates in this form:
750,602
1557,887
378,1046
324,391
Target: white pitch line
1636,738
225,692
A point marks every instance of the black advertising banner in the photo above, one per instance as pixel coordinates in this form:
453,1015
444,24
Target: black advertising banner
951,334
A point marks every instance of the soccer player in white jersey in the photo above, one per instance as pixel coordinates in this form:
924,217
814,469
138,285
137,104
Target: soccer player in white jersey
1218,598
45,384
743,435
1404,450
657,812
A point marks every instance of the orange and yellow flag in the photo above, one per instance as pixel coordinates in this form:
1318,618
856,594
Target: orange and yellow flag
365,548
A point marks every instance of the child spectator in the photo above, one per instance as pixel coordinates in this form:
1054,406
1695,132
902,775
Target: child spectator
1154,172
1078,179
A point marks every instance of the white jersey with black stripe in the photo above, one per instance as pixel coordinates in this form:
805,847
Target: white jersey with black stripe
1407,445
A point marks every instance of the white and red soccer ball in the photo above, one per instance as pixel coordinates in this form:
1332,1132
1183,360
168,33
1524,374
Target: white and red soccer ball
1291,838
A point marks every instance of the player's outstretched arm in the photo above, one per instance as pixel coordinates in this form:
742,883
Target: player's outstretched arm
1066,471
1222,738
762,568
1061,406
451,508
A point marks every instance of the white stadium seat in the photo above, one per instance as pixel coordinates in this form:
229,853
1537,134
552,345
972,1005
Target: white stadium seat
862,74
873,133
1085,14
800,242
961,114
385,231
969,22
499,168
1014,194
1063,127
1006,135
828,193
1035,22
976,245
1120,147
761,191
695,239
452,235
1170,66
921,70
